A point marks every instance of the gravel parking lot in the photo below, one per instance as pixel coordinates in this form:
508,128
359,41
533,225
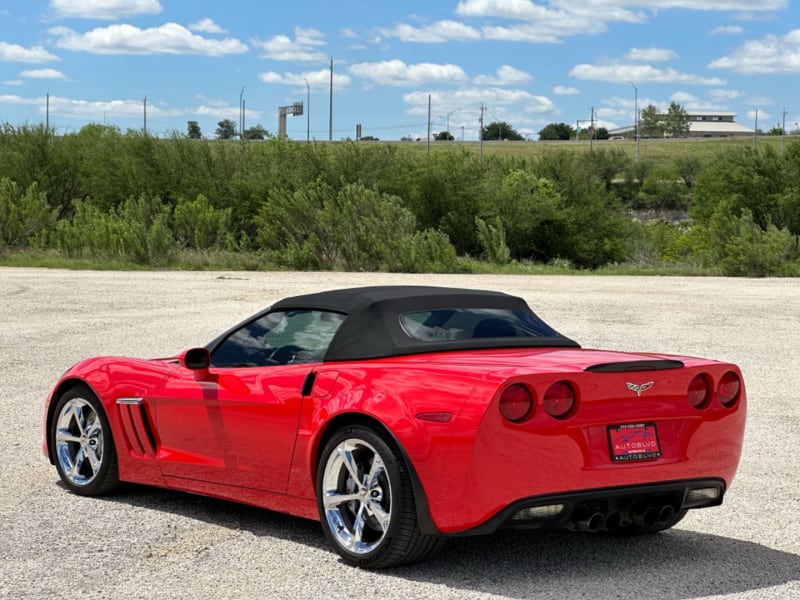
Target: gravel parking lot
150,543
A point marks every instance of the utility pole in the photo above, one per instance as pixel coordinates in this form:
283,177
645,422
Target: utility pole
429,124
480,133
636,119
308,111
241,114
145,115
330,109
47,114
591,132
783,130
448,119
755,132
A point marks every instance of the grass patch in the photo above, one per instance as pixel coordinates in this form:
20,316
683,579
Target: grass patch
193,260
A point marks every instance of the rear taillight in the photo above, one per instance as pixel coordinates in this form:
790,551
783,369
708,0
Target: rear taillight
516,403
699,392
559,400
728,389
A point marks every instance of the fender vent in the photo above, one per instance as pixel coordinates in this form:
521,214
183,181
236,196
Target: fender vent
635,365
137,430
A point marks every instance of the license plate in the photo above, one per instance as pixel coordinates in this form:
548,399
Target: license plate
636,441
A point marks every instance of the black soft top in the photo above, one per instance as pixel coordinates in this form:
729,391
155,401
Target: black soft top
373,328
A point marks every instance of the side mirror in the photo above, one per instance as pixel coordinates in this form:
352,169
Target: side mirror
197,360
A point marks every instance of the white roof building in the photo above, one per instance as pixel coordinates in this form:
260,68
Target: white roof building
701,124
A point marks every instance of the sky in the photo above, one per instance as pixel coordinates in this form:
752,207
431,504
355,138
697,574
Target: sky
525,62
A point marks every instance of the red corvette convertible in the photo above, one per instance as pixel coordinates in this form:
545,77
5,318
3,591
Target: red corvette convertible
399,416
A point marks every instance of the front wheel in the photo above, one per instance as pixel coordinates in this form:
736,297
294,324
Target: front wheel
80,437
365,501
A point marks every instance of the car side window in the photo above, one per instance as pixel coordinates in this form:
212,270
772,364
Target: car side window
279,338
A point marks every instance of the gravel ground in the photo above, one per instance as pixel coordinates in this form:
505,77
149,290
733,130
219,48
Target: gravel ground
150,543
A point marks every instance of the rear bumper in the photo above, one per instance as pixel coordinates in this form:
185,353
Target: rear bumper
606,508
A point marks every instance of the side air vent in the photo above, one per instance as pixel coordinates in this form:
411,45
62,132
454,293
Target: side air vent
137,430
635,365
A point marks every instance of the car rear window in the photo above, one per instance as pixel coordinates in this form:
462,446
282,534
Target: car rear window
473,323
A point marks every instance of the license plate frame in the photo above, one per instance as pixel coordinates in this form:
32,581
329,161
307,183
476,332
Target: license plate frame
633,442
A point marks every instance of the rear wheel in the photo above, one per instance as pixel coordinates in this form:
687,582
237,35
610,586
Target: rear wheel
365,501
80,437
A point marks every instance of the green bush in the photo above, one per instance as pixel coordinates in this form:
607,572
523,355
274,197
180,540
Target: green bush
199,225
493,240
25,219
138,231
354,229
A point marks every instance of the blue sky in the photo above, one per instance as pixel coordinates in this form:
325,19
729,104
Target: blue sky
529,62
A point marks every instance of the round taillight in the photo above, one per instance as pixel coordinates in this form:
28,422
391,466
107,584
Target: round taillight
559,400
699,393
728,389
516,403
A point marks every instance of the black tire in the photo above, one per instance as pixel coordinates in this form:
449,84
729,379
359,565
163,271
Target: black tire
82,444
371,520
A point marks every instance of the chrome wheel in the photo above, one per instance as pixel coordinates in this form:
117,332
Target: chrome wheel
356,496
81,443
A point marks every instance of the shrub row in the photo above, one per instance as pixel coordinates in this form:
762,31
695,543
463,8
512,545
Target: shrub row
103,193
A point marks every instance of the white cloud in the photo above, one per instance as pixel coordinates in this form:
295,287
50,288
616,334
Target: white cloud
43,74
724,94
105,9
622,73
771,54
495,98
762,116
726,30
505,75
317,80
562,90
557,19
650,54
441,31
169,38
207,26
219,110
683,98
17,53
397,73
13,82
304,47
528,10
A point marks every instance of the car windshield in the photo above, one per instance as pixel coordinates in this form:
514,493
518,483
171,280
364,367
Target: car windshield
473,323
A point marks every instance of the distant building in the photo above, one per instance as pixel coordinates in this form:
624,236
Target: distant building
701,124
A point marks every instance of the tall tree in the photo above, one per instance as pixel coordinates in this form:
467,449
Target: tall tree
500,130
676,121
556,131
257,132
226,129
193,130
444,136
651,121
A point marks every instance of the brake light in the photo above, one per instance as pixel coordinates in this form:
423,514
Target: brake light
559,400
699,393
516,403
728,389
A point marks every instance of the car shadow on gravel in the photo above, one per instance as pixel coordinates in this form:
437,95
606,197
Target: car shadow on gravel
672,565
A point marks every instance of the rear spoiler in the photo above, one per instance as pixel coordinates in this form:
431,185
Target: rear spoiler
635,365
